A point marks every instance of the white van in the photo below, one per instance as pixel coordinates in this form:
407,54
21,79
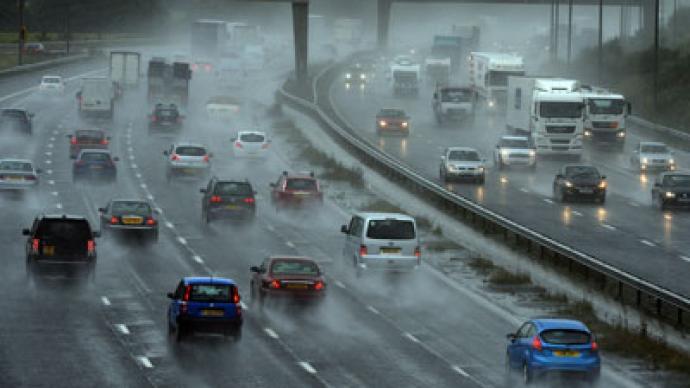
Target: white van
387,241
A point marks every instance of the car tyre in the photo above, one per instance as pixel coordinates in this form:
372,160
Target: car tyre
661,203
500,163
180,332
443,175
527,376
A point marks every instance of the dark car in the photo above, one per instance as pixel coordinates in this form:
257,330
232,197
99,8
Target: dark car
671,189
295,190
87,139
579,181
227,199
94,164
18,120
129,216
355,74
205,304
293,277
392,121
60,240
165,116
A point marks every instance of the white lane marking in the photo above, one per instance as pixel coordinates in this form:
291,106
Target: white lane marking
49,172
49,153
290,244
138,175
411,337
685,258
105,300
340,284
150,197
134,166
122,328
460,371
373,310
548,200
198,259
56,132
577,213
143,360
143,185
609,227
182,240
129,134
524,190
130,149
270,228
131,157
244,305
55,193
51,182
634,204
48,161
647,242
159,210
52,139
58,205
307,366
169,225
50,145
271,333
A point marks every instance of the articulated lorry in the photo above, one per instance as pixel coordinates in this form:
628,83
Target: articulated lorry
605,116
168,82
405,75
489,74
549,110
453,103
457,46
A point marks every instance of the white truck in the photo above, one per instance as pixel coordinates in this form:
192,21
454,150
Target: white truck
550,110
125,68
489,74
405,75
453,103
95,97
605,114
437,70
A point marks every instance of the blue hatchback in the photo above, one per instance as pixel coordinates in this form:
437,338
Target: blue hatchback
561,346
205,304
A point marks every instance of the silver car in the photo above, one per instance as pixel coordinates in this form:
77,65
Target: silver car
387,241
515,150
189,159
250,144
462,163
18,174
652,156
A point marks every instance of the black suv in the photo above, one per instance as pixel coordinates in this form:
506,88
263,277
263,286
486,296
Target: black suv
60,240
165,116
227,199
16,119
671,189
577,181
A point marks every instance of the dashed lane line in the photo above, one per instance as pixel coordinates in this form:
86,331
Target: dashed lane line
609,227
198,259
307,367
373,310
411,337
460,371
182,240
105,300
169,225
290,244
548,201
577,213
122,328
340,284
271,333
685,258
647,243
145,362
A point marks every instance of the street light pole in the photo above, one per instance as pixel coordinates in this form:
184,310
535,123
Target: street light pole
656,55
600,65
570,30
20,45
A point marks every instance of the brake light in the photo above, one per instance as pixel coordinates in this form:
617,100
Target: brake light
90,246
114,220
154,118
264,146
595,346
216,199
35,244
206,158
318,286
104,141
536,344
175,157
73,140
235,296
207,67
363,250
150,221
274,284
187,293
417,252
249,200
238,144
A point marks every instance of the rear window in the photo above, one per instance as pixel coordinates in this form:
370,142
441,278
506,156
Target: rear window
64,229
11,165
95,157
190,151
131,207
294,267
301,184
233,188
211,293
252,138
391,229
166,113
89,135
566,337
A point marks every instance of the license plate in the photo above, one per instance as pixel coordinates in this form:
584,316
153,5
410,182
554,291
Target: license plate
188,170
212,313
566,353
48,250
16,178
301,193
231,207
389,251
296,286
586,191
96,167
132,220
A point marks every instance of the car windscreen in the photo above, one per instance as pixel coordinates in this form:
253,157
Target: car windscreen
581,171
460,155
190,151
654,148
13,114
211,293
566,337
95,157
514,143
560,109
15,165
456,95
392,113
303,184
391,229
677,180
252,138
233,188
605,106
294,267
51,80
131,207
64,229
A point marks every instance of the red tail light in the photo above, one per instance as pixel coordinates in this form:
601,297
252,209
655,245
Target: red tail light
363,250
235,296
264,146
417,252
30,177
91,246
595,346
104,141
206,158
208,67
73,140
536,343
35,244
150,221
154,118
194,66
187,293
318,286
249,200
238,144
216,199
114,220
175,157
274,284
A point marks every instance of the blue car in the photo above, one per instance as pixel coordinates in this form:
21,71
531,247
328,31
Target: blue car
205,304
562,346
94,164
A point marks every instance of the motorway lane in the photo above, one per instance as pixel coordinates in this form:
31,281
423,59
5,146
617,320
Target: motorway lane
634,232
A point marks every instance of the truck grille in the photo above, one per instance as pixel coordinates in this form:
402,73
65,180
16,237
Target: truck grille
560,141
603,124
560,129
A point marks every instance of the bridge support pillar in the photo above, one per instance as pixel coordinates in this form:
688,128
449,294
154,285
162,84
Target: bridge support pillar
300,22
649,15
383,21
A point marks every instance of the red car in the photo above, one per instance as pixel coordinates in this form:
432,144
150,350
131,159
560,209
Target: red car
87,139
392,121
295,190
291,277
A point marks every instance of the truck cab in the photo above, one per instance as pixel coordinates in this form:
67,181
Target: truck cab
451,103
405,74
605,116
489,72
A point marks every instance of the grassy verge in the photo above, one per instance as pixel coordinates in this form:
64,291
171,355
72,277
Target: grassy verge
10,60
11,37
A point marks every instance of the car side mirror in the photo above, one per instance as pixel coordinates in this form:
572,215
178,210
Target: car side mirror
96,234
202,190
165,153
101,209
511,337
39,171
344,229
116,159
559,176
657,184
254,268
603,177
26,232
170,295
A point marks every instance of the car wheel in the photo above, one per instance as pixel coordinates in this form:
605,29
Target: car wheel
526,374
501,166
481,179
602,199
154,236
661,203
180,332
443,175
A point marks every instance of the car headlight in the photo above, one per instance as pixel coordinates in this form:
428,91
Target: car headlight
621,134
588,133
362,76
491,103
671,161
382,123
645,160
450,167
532,153
603,184
348,75
404,124
670,194
481,169
568,184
